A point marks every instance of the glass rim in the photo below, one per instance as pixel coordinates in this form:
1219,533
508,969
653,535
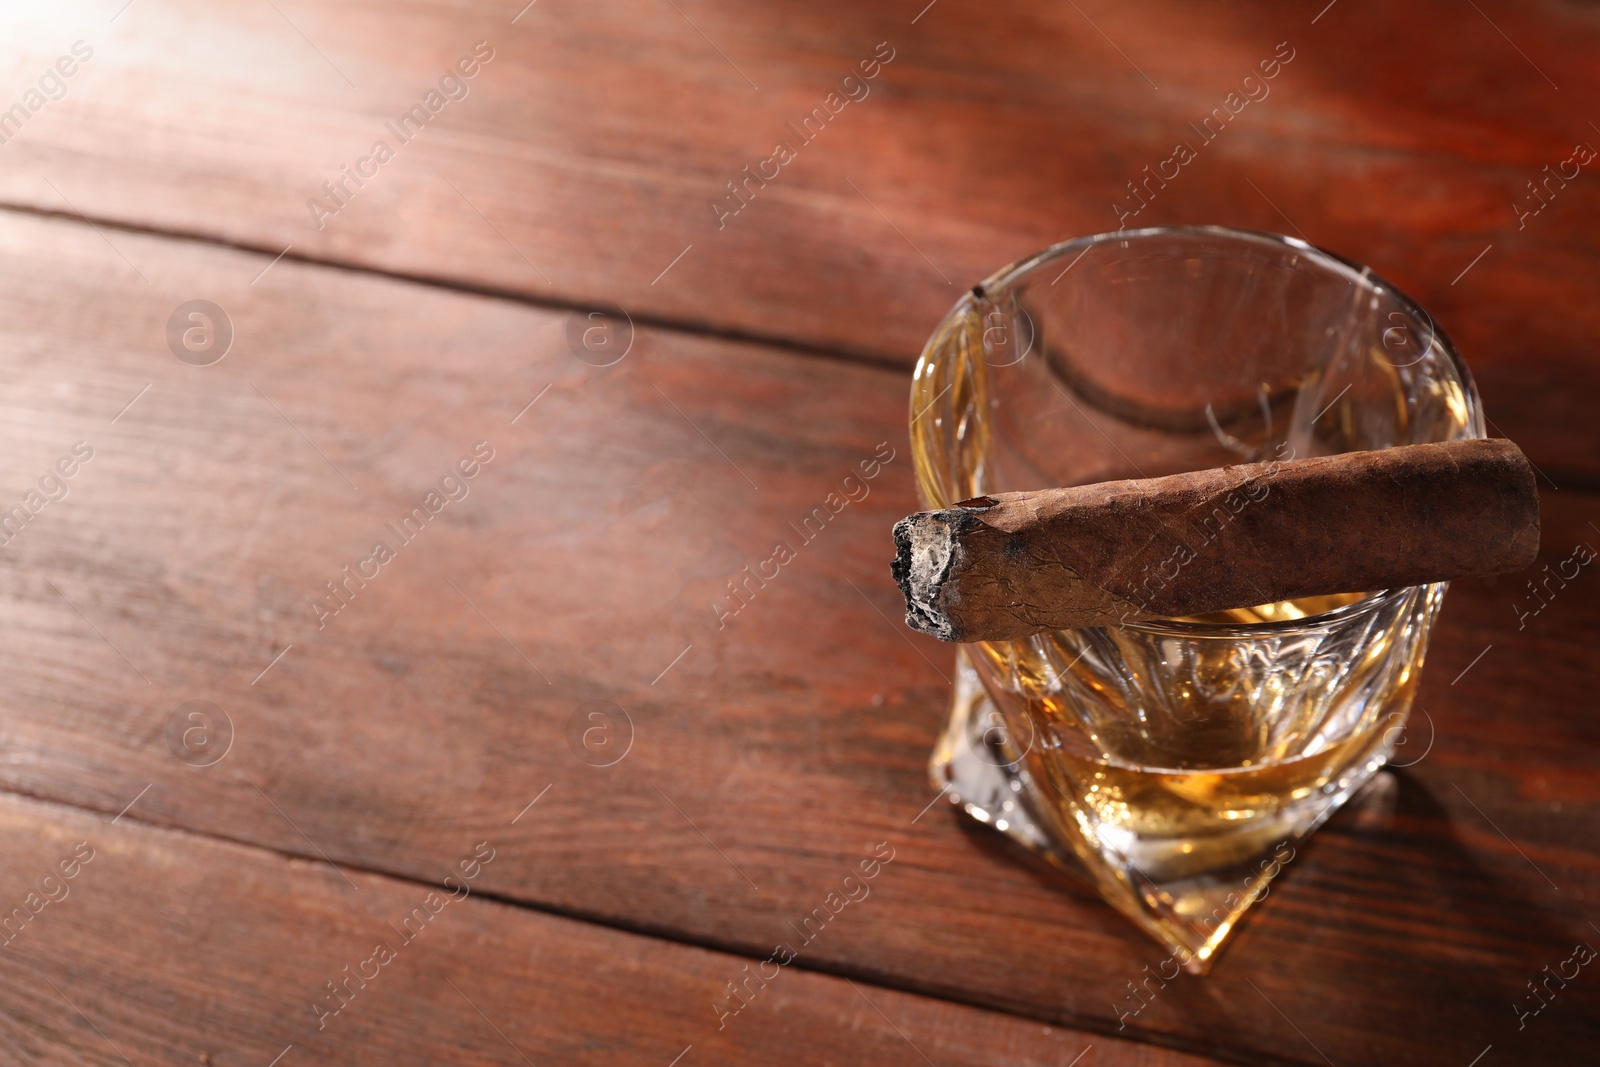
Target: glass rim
1356,273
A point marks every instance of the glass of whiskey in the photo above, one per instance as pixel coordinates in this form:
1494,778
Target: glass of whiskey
1179,761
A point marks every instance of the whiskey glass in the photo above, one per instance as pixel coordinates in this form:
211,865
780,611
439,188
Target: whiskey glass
1179,761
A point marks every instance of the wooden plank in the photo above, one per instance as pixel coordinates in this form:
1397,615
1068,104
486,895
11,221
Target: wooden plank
754,759
165,947
585,157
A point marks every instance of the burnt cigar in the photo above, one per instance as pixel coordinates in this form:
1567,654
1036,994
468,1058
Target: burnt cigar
1013,564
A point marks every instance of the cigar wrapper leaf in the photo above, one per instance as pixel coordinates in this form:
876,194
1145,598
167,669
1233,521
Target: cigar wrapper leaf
1011,565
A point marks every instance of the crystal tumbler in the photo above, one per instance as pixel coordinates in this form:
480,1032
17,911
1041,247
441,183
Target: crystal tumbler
1180,761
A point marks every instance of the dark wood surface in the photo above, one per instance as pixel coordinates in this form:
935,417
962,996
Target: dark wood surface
766,758
92,978
587,152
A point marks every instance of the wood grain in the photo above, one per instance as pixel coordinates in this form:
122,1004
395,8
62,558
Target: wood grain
450,700
170,948
584,160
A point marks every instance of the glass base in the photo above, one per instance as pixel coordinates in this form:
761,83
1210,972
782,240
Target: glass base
1188,896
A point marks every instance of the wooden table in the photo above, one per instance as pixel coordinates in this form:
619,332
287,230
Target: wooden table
524,755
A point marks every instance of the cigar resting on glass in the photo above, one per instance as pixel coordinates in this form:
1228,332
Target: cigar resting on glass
1011,565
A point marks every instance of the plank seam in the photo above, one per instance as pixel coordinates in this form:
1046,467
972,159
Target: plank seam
692,327
879,980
